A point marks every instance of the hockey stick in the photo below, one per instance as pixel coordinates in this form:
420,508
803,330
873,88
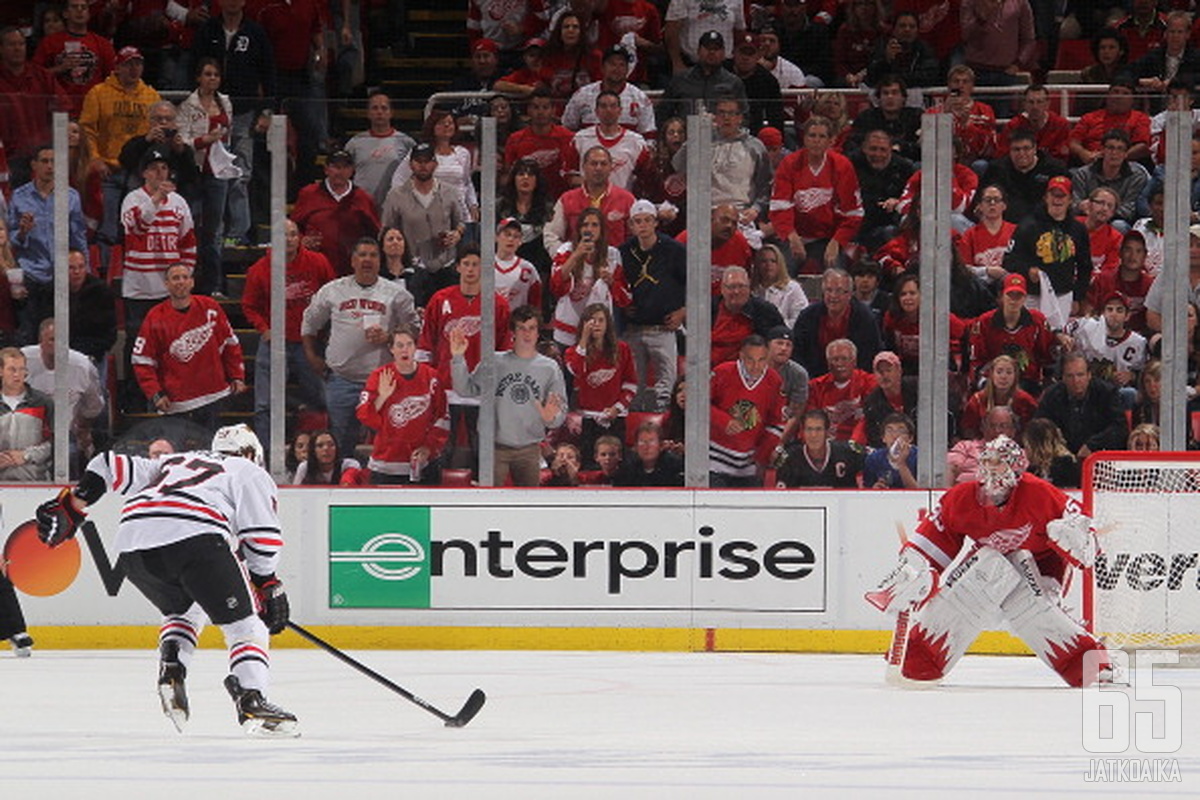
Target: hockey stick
899,643
465,714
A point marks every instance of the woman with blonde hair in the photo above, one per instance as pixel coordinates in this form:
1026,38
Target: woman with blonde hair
1048,455
1001,389
1145,438
771,282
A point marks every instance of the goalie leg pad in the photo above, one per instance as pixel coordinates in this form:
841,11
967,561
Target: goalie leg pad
1036,617
968,601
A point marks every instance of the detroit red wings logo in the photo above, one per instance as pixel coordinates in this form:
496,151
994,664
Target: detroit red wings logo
192,342
1007,539
407,410
600,377
470,326
808,199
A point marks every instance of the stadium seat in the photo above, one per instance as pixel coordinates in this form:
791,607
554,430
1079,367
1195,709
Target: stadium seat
456,477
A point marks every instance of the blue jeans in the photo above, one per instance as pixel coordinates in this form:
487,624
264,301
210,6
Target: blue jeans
112,190
211,275
341,401
311,390
242,147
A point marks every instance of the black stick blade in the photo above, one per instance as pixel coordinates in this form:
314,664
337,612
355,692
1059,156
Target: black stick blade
469,710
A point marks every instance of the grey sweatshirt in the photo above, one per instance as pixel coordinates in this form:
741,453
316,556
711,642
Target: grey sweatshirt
519,381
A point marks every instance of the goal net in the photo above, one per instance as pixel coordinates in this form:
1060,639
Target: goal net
1144,591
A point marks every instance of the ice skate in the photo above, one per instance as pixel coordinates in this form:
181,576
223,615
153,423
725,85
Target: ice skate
171,689
257,715
22,644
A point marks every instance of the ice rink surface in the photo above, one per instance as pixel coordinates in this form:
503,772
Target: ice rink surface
87,724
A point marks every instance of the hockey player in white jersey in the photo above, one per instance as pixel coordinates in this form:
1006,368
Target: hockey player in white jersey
199,536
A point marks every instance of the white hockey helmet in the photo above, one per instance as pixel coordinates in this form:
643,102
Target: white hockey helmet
1001,463
238,440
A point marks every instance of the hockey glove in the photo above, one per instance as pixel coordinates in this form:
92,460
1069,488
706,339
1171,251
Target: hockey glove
909,585
1073,537
272,602
58,519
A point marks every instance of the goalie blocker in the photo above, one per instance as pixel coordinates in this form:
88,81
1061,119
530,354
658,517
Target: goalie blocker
994,549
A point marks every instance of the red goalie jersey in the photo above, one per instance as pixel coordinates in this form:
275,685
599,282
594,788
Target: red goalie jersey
1018,524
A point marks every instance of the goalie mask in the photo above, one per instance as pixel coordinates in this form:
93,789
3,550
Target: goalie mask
238,440
1001,463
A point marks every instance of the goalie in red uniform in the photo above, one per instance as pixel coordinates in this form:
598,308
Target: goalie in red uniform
995,549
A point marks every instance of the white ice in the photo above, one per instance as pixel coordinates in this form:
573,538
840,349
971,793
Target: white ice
87,724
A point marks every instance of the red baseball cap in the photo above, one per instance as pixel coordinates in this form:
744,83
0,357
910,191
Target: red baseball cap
1059,183
485,44
129,53
1115,296
1014,284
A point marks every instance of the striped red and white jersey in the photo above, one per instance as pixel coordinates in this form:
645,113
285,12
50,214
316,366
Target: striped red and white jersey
156,236
182,495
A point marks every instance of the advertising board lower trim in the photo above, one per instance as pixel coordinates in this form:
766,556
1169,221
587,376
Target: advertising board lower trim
356,637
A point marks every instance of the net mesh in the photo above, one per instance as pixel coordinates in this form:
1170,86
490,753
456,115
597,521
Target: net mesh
1146,583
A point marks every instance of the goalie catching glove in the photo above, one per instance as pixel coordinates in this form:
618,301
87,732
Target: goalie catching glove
272,601
59,518
1072,535
909,585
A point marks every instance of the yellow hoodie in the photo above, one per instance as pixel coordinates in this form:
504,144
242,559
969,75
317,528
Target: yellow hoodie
112,116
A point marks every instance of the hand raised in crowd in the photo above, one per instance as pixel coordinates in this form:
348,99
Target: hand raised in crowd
549,410
387,385
458,341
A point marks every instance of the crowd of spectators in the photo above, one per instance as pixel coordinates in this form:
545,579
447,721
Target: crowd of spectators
1057,241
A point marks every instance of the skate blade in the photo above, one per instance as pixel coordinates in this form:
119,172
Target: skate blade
178,714
22,652
271,728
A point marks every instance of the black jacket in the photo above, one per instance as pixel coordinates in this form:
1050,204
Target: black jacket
905,131
1023,191
863,331
247,62
1097,419
1060,249
877,185
93,318
766,100
667,472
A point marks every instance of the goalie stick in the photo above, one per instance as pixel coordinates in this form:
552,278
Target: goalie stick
895,651
465,714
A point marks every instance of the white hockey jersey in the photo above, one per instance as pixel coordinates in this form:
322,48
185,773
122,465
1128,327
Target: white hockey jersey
1126,354
182,495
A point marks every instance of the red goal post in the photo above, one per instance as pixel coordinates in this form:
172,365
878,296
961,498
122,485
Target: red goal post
1144,591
